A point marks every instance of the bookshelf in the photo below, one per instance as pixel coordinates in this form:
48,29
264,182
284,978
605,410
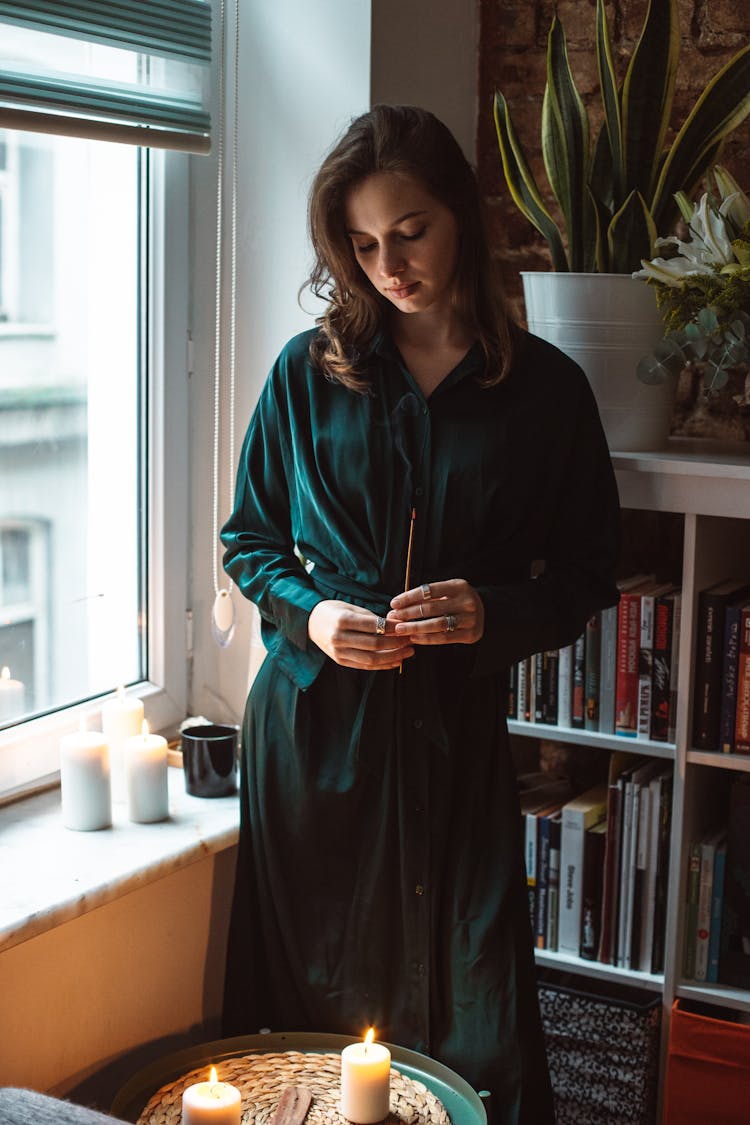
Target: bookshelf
709,491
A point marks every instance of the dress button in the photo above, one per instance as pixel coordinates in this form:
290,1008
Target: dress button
425,410
419,889
417,724
419,491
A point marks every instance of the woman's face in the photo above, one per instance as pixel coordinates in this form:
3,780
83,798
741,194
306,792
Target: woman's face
405,241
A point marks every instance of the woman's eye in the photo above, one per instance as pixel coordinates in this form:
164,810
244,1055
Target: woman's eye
365,249
415,236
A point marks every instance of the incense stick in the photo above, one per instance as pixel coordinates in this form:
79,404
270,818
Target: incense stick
407,575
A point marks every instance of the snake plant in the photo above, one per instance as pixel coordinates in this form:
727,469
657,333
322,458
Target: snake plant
615,193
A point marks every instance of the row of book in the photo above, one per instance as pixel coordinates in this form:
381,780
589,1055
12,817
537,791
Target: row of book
717,915
597,863
620,676
721,695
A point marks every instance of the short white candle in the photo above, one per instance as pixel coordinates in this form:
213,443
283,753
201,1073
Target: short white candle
146,771
211,1103
365,1081
84,781
12,694
122,718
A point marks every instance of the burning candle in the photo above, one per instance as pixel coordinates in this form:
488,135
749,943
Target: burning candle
84,781
365,1081
11,696
211,1103
122,718
146,771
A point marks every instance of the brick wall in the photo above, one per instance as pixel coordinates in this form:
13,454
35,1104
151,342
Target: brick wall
512,57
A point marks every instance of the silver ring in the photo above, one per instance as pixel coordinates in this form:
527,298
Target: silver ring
380,625
450,623
421,610
426,591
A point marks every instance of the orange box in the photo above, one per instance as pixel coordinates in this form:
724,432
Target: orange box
708,1070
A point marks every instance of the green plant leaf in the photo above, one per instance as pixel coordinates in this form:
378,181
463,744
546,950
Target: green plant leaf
522,185
631,235
647,95
707,321
610,99
724,103
565,141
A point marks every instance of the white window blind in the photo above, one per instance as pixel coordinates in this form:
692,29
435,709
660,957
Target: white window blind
131,70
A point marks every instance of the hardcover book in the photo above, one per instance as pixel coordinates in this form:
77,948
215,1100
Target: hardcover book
730,669
709,654
742,714
577,815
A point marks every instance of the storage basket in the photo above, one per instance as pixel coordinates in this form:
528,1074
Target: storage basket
603,1052
708,1068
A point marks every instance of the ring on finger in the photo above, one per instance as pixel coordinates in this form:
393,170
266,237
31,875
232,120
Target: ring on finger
450,622
380,625
426,591
421,610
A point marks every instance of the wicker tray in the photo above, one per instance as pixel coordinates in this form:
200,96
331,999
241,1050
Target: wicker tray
262,1078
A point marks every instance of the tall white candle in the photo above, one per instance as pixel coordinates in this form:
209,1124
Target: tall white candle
12,694
211,1103
146,772
122,718
84,781
365,1081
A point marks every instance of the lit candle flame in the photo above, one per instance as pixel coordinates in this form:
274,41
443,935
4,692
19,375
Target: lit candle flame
120,693
213,1078
144,728
369,1038
6,673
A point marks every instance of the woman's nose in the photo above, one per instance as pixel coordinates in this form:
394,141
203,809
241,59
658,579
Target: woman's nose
391,261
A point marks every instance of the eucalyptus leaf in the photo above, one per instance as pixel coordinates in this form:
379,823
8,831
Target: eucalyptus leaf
708,322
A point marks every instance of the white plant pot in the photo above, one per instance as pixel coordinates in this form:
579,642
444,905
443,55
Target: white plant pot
606,323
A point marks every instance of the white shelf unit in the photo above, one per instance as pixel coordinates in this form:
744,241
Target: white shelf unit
710,489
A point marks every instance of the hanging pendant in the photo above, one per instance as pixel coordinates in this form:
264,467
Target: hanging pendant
222,618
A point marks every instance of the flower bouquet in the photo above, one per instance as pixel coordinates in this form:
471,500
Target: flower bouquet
702,285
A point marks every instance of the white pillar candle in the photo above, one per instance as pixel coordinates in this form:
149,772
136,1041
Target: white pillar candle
211,1103
11,696
122,718
146,772
365,1081
84,781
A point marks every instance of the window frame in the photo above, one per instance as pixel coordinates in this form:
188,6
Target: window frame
29,750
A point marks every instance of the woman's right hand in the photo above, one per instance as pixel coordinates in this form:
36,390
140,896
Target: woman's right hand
349,635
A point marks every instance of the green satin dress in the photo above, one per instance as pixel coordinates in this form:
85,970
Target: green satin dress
380,876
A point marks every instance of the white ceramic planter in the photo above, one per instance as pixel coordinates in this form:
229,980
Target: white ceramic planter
606,323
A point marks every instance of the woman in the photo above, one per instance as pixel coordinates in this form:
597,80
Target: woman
420,454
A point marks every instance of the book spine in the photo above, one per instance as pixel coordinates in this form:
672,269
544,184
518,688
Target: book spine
593,868
591,672
626,872
512,696
691,913
549,687
631,879
553,884
703,919
538,659
717,906
640,889
730,667
610,891
742,718
647,932
607,669
571,881
530,852
523,691
565,686
662,872
709,653
542,880
663,617
645,665
626,691
674,666
578,710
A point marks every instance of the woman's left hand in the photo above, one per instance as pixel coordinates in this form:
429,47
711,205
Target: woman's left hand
439,613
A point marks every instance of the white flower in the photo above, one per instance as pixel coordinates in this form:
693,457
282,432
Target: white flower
710,232
735,204
671,271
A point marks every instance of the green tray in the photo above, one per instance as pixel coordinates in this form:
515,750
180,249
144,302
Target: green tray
462,1102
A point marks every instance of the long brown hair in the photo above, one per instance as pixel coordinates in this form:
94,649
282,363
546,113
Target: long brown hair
410,140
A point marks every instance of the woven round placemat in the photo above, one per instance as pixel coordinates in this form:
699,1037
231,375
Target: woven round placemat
261,1080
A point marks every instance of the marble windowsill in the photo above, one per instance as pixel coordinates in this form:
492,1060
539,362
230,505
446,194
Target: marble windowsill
51,875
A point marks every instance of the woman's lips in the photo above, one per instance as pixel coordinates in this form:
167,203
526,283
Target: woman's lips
402,291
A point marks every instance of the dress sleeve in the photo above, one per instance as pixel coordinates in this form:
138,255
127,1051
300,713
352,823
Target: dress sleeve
583,542
259,540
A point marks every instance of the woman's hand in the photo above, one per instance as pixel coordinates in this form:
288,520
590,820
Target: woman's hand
356,638
438,613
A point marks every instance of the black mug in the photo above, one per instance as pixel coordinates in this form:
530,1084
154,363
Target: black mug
209,760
